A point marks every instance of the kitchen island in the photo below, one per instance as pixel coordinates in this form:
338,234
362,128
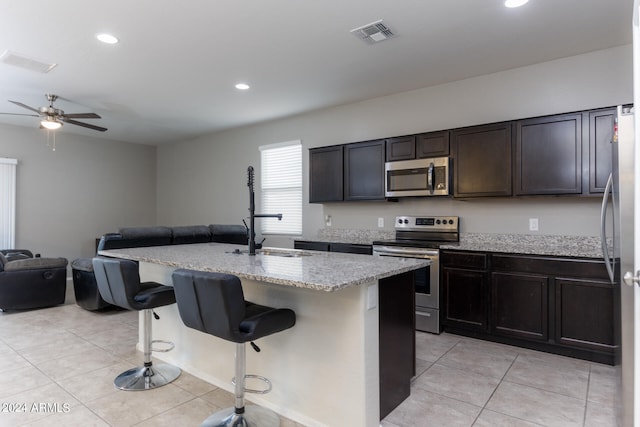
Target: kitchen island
327,369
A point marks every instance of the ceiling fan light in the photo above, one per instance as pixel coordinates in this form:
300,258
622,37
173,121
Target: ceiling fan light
51,123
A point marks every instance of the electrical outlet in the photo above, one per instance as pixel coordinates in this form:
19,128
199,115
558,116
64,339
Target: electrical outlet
380,222
327,220
533,224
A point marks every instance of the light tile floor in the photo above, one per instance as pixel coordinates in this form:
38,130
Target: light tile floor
57,367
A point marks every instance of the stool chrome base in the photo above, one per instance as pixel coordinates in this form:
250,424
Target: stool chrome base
254,416
147,377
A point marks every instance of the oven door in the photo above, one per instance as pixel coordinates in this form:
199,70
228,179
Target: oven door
426,278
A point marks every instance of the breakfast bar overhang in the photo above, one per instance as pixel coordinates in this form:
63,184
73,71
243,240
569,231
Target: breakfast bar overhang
326,370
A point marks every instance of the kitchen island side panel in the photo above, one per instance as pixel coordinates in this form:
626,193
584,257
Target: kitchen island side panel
324,370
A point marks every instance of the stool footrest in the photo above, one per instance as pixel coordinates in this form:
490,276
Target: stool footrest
170,345
257,377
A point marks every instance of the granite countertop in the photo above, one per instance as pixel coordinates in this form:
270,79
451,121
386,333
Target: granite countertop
323,271
553,245
569,246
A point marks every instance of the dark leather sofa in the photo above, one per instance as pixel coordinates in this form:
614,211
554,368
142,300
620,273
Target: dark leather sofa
28,282
84,282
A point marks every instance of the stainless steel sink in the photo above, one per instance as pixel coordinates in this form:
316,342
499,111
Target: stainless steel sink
287,253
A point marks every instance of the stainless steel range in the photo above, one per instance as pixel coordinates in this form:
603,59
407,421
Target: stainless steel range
421,237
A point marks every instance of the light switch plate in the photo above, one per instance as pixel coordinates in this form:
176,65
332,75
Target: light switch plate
533,224
380,222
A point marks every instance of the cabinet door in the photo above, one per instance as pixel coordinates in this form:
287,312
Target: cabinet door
325,174
432,144
585,313
519,305
482,161
465,298
401,148
548,155
364,170
601,125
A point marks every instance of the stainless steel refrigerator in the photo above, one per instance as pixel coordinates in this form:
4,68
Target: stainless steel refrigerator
617,231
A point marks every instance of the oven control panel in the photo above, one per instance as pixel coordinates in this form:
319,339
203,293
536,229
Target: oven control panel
425,223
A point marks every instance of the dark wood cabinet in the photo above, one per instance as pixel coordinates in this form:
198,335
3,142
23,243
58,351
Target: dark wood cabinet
554,304
464,281
325,174
482,161
584,313
519,305
421,146
397,355
309,245
601,123
548,155
432,144
350,248
401,148
364,170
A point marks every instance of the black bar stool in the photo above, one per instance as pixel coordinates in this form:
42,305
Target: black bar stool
214,303
119,284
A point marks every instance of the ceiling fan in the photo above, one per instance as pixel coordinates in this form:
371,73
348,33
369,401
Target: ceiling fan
52,118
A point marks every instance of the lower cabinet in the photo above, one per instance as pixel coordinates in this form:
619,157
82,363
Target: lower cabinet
560,305
520,305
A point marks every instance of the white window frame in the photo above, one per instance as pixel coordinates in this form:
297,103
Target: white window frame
8,203
281,197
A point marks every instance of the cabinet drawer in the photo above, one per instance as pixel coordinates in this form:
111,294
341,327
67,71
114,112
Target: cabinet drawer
311,245
472,260
351,248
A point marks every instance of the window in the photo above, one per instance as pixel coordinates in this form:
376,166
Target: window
7,202
281,187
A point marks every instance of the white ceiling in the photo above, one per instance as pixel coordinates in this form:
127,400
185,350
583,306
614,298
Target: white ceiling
172,76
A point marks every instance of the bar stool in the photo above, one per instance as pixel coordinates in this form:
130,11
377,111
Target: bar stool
214,303
119,284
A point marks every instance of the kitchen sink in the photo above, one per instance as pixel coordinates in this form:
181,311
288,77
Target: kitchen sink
288,253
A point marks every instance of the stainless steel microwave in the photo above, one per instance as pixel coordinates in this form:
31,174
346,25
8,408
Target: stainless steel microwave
420,177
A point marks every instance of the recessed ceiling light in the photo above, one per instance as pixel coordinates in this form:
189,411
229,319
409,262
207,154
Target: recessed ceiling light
242,86
515,3
107,38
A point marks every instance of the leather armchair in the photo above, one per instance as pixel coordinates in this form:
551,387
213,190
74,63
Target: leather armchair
27,282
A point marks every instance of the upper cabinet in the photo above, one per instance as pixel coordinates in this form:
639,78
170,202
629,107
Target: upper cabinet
401,148
364,170
482,160
432,144
563,154
601,123
325,174
421,146
548,155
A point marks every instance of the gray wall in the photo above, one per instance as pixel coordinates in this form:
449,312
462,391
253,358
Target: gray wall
204,180
68,197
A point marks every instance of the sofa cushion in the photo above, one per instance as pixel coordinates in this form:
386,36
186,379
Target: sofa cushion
35,264
191,234
82,264
223,233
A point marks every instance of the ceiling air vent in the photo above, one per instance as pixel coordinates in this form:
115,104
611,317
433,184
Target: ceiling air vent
374,32
22,61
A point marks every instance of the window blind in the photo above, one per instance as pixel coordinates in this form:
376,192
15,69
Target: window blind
7,202
281,187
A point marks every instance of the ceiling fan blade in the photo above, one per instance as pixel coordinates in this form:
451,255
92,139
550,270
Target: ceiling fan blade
20,114
82,116
20,104
86,125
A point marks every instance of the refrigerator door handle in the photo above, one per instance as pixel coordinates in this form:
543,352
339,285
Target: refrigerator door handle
603,227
